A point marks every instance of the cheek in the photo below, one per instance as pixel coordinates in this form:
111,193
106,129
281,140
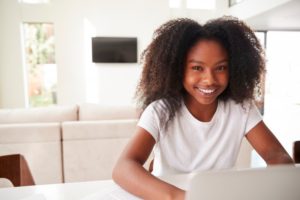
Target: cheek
189,80
224,80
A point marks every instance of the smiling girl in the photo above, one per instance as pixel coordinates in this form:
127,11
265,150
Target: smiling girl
196,92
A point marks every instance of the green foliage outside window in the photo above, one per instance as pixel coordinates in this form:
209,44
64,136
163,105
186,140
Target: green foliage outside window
40,63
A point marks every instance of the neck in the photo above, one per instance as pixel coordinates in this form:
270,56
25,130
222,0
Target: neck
202,112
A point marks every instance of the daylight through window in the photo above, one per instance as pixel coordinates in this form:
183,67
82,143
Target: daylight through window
40,63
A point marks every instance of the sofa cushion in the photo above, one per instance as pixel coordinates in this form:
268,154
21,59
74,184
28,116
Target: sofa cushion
123,128
30,132
91,148
88,111
35,115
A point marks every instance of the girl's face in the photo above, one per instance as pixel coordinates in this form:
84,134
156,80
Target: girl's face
206,72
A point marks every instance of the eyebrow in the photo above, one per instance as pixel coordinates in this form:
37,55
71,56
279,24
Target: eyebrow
200,62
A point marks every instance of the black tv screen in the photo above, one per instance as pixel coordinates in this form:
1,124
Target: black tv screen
114,49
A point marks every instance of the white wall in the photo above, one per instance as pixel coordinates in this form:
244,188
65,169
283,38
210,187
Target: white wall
75,22
68,27
249,8
106,83
12,92
12,72
201,15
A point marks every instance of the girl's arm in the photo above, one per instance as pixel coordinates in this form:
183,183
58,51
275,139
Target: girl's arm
267,145
130,174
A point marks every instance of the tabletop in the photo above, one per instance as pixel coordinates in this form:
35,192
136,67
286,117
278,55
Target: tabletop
91,190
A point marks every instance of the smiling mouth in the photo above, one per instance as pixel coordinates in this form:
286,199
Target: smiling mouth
207,91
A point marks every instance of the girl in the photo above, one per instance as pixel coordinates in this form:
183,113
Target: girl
196,91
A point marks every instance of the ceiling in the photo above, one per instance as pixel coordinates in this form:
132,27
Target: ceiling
284,17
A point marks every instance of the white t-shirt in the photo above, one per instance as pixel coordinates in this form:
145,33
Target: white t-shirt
189,145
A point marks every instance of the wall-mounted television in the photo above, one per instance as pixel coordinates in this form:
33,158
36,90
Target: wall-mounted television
114,49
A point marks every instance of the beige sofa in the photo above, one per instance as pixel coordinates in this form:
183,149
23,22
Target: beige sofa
73,143
67,143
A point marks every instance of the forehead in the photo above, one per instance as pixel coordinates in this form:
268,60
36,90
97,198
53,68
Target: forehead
207,48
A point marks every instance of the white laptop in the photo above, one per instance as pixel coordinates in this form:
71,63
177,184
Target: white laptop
271,183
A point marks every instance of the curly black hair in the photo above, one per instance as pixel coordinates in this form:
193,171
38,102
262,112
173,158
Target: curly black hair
164,61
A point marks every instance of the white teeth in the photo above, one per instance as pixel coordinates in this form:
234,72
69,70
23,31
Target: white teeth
207,91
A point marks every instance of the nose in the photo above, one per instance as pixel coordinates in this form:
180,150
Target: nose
208,78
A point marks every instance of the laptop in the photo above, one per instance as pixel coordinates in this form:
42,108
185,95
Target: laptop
271,183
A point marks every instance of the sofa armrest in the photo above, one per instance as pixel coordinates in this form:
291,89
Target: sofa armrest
40,144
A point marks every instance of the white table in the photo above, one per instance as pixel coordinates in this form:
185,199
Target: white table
92,190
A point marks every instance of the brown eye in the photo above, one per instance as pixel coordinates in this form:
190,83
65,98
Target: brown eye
221,68
197,68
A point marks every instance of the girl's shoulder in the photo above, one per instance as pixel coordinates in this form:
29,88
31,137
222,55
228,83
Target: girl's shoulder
151,117
157,105
157,108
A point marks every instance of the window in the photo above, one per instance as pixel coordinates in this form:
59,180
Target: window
283,85
40,63
282,99
256,160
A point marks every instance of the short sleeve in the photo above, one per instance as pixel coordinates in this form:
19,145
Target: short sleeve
149,121
254,117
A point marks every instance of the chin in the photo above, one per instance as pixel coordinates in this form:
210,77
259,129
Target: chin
207,101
